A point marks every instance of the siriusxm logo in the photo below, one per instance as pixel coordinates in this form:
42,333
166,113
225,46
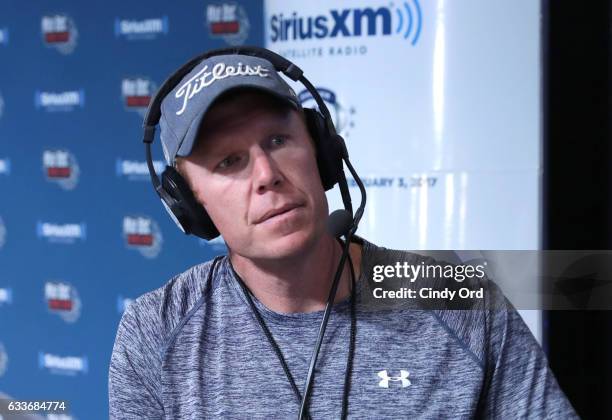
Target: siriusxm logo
227,21
59,32
63,299
342,116
135,170
136,93
63,365
59,101
141,29
61,167
123,303
6,296
4,36
143,234
61,233
3,360
5,166
402,21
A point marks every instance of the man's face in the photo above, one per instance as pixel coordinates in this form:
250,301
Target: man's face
254,170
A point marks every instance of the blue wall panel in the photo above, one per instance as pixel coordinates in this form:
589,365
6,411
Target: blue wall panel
66,263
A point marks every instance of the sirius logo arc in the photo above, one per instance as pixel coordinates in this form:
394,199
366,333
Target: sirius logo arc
136,93
143,29
63,365
63,300
59,32
142,234
342,116
61,167
228,21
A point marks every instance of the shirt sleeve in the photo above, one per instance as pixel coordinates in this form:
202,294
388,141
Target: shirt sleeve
520,382
134,374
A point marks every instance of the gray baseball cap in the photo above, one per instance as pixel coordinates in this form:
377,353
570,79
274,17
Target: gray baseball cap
184,108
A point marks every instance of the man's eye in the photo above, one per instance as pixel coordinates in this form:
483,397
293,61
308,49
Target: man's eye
228,161
278,141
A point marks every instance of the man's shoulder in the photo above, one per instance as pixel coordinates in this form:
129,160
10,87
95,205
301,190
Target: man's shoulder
473,322
163,309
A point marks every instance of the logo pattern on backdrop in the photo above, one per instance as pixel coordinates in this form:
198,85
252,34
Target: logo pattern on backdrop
59,32
2,233
4,36
63,299
141,29
63,365
228,21
5,166
61,233
65,101
3,360
136,170
136,93
60,167
142,233
6,296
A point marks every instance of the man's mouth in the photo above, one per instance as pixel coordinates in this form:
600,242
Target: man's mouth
278,211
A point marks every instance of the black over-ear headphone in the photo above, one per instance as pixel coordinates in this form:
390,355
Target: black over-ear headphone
176,195
190,216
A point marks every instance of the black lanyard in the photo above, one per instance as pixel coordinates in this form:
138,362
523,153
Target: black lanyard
279,355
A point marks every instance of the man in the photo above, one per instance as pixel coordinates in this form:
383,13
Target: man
233,338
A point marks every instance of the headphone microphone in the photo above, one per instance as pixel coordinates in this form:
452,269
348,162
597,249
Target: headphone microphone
339,223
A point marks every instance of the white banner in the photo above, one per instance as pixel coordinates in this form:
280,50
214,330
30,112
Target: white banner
440,105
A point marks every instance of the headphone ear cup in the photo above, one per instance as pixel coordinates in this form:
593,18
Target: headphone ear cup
185,210
329,157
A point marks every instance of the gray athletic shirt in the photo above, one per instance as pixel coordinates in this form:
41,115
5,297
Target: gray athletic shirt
195,350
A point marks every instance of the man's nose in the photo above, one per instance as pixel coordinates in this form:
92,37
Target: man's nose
266,174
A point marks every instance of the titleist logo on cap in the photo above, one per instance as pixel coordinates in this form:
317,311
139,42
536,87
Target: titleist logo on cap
205,78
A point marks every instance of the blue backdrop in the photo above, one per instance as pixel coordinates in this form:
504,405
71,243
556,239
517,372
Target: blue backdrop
81,230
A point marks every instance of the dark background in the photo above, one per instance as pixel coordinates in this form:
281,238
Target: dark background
577,186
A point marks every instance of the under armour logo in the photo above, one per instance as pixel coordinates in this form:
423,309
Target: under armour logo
385,378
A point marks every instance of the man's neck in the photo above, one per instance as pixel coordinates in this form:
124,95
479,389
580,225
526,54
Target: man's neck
300,284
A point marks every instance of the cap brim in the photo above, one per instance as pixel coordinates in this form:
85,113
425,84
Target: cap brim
191,136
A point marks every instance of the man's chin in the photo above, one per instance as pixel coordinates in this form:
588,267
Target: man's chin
286,246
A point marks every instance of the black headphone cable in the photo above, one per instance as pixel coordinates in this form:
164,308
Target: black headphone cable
279,355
